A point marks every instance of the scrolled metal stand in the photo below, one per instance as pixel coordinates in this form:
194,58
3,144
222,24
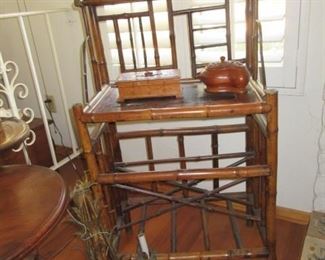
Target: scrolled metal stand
10,90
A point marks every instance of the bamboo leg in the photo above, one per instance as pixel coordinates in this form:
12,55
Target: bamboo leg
234,226
93,169
149,150
121,196
271,157
181,151
205,227
262,201
250,146
173,229
215,162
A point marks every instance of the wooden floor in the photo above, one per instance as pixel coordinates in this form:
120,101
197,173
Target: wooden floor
64,242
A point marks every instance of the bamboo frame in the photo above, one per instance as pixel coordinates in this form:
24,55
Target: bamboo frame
139,15
214,254
189,186
96,49
258,106
190,174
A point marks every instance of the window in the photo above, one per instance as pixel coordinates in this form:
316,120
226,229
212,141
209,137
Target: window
285,35
288,75
284,47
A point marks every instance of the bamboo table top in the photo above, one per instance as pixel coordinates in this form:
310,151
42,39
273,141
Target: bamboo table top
195,103
33,199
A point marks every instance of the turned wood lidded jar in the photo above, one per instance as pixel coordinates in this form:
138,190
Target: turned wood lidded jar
225,76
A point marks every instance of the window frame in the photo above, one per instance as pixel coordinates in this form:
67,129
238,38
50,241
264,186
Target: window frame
289,79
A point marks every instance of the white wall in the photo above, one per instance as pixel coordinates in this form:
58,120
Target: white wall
300,122
299,118
68,34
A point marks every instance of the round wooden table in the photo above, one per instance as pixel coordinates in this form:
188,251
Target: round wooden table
33,199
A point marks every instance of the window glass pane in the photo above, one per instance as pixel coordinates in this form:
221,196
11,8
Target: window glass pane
273,52
272,17
209,37
271,9
161,21
163,39
196,3
124,8
273,31
165,56
115,9
238,28
185,4
240,32
125,42
210,54
214,17
159,6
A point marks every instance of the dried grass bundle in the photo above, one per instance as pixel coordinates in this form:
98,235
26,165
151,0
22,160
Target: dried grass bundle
101,243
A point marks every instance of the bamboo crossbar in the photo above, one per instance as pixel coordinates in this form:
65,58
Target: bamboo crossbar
210,45
102,2
189,174
172,112
192,201
199,9
221,111
205,130
188,184
220,196
150,67
219,199
184,159
103,18
209,28
213,254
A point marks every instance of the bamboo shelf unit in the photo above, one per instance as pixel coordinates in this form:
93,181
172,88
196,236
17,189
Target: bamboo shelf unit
255,167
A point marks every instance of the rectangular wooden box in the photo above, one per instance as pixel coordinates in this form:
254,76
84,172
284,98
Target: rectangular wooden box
156,83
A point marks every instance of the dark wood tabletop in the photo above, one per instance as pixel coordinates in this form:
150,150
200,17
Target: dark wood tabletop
33,199
194,103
